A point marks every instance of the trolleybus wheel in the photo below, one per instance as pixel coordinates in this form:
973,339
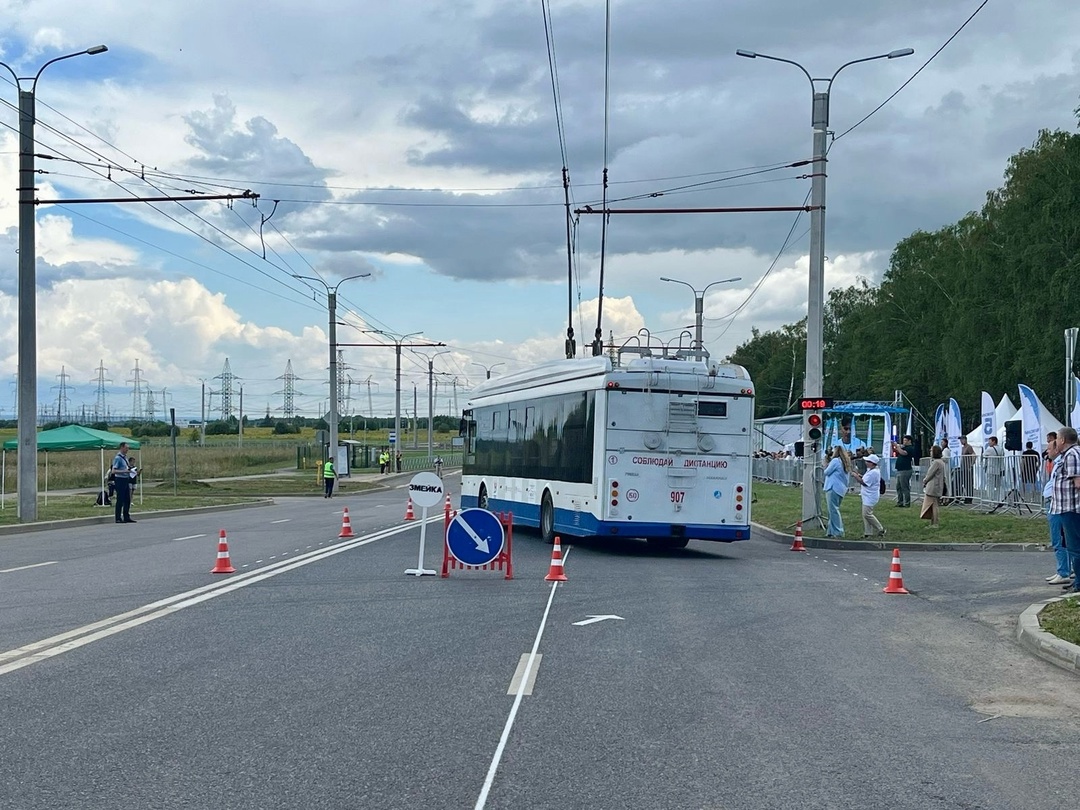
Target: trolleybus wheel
547,519
668,542
482,498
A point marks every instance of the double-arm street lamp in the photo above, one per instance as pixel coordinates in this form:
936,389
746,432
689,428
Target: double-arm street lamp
331,303
815,309
699,307
489,369
27,464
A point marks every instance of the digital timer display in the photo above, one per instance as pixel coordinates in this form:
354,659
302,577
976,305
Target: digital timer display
815,403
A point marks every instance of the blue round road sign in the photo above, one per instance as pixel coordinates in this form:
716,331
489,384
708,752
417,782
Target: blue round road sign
475,537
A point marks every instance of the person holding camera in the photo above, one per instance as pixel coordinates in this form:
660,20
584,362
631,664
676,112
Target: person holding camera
905,455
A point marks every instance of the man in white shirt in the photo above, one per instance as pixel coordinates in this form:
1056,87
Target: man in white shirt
993,468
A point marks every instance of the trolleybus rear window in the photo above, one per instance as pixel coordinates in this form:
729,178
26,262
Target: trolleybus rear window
711,408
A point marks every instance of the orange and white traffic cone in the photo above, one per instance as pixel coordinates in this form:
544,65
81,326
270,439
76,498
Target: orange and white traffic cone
447,507
409,511
798,544
346,526
224,564
896,578
555,572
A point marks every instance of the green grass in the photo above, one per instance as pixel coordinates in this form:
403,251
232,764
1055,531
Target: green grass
778,507
1062,619
267,487
189,494
65,507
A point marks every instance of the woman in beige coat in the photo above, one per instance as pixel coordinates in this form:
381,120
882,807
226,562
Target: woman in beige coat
933,487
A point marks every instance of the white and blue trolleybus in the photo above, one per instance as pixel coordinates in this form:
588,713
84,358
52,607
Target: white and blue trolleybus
654,447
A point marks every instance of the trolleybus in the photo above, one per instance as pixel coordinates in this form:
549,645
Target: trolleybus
653,447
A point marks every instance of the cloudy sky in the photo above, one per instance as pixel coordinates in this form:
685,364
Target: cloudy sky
418,141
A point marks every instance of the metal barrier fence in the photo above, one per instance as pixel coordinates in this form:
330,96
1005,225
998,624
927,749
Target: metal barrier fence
1013,483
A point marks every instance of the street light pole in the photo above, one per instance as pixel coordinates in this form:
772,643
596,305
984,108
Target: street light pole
489,369
27,368
331,303
813,381
431,402
699,307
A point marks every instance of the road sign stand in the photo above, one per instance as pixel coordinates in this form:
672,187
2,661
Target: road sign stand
425,489
503,561
420,571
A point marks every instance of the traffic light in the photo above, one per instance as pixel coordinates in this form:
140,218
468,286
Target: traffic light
813,428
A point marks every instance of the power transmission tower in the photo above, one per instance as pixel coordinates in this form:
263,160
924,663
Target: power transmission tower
150,404
137,392
226,376
62,410
341,369
100,407
288,406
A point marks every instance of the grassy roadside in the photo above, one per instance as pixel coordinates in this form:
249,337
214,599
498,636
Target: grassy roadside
189,494
1062,619
778,507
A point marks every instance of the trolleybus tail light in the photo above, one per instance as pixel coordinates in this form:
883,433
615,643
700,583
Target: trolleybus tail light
738,497
614,493
612,385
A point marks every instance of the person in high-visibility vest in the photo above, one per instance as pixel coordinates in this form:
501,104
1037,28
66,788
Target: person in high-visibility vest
329,476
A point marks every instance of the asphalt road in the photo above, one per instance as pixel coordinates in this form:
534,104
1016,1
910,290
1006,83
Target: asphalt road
319,676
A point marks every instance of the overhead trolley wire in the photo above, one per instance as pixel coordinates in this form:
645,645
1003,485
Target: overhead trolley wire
916,73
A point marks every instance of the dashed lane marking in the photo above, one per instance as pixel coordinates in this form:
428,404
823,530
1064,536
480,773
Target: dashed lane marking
25,567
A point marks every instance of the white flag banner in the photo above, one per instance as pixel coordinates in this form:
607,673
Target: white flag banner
886,448
1031,418
989,418
939,424
1074,417
952,420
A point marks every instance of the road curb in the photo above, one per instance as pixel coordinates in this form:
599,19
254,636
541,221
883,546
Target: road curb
885,545
1045,645
46,525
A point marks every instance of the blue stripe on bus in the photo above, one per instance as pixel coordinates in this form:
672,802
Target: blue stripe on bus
582,524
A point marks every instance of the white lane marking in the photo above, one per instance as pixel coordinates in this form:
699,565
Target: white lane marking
519,675
24,567
533,657
595,619
189,537
284,520
81,636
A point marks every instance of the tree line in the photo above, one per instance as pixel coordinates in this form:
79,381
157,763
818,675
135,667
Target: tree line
981,304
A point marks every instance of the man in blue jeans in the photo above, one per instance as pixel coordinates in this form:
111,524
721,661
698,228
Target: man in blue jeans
1065,498
1063,575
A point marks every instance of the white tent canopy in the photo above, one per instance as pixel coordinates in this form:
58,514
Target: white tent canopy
1004,412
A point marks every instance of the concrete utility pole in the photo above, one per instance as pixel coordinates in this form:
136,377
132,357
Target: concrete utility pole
815,307
27,368
699,308
331,304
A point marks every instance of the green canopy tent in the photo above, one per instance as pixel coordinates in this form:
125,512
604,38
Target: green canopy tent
63,439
